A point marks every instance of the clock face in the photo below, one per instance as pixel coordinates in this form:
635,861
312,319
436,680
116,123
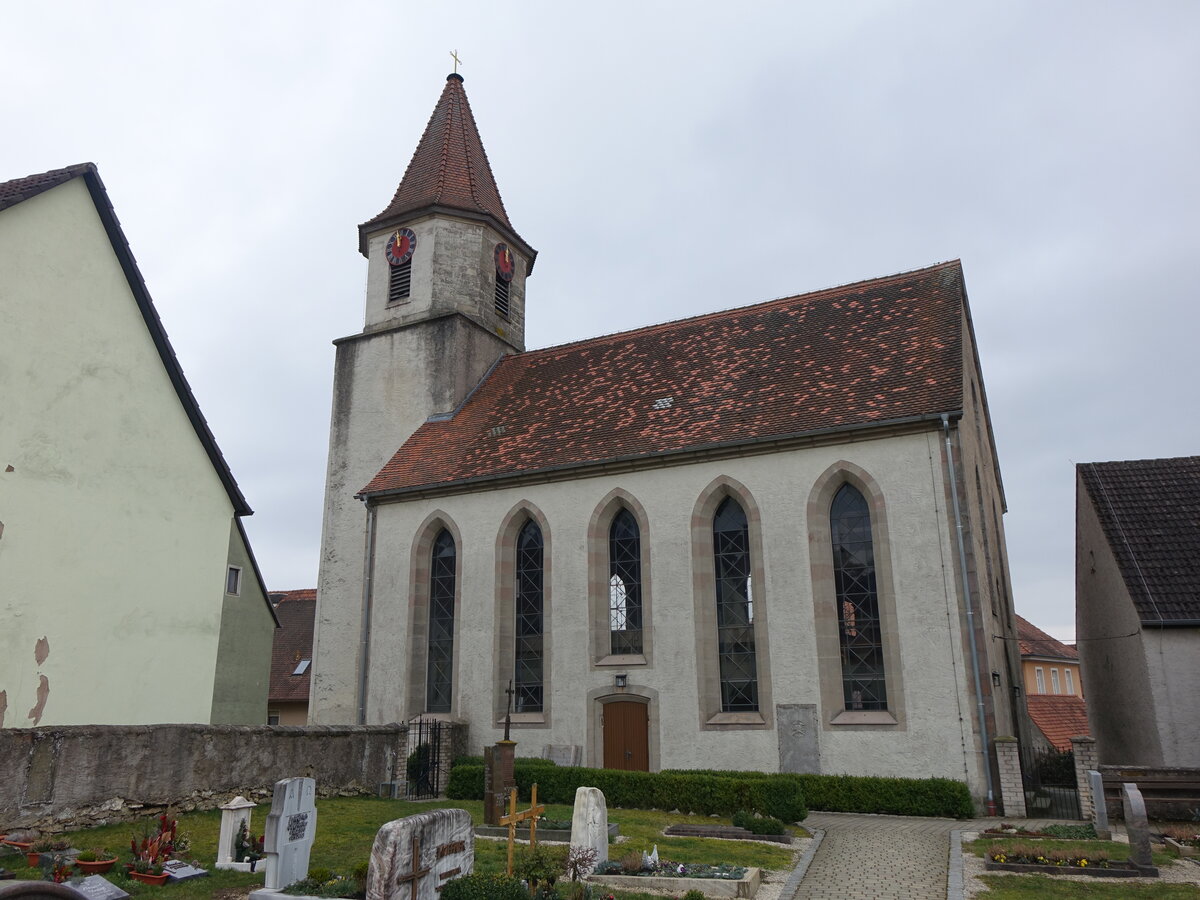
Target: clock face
400,246
505,262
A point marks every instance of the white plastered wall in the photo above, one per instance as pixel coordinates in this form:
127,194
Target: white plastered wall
116,526
937,738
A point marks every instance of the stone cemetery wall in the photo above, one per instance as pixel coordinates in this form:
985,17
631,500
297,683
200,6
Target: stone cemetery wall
96,773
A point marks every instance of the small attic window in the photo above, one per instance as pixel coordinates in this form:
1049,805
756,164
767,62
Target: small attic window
302,666
233,580
400,282
664,402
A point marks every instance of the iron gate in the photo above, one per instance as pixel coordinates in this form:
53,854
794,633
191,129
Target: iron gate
1050,788
423,769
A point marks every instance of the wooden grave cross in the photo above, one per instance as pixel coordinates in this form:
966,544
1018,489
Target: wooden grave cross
417,872
513,817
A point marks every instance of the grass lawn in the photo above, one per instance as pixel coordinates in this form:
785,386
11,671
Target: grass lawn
1046,887
346,828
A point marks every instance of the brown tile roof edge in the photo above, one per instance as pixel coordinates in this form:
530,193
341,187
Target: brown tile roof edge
1149,510
293,642
873,353
20,189
1035,642
1059,717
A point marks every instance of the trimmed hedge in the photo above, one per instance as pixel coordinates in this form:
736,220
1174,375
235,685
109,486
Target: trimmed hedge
939,797
706,794
484,887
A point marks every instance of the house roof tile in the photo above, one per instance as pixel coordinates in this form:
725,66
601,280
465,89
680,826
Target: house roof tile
863,354
296,611
1035,642
1059,717
1150,512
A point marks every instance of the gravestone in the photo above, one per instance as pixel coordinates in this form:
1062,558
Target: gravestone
563,754
589,822
1099,808
799,738
291,828
97,887
178,870
498,779
233,814
1137,828
412,858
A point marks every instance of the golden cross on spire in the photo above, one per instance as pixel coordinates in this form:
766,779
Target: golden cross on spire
457,61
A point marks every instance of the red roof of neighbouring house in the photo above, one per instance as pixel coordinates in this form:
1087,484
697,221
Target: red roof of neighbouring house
865,354
1035,642
1150,512
296,611
449,169
1059,717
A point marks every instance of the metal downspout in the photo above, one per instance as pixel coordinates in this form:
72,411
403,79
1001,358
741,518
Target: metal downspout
962,562
364,653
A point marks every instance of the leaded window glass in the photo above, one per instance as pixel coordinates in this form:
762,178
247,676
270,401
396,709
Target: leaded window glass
440,663
859,627
625,584
735,609
529,598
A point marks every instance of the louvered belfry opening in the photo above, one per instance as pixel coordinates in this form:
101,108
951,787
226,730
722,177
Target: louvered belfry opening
625,584
400,282
502,298
859,627
440,675
735,609
529,600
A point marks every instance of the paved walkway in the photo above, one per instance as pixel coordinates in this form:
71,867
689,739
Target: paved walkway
865,857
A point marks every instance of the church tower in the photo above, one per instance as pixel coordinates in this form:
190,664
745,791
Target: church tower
445,300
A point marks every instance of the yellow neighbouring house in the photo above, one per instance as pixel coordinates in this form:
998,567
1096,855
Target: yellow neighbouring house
128,590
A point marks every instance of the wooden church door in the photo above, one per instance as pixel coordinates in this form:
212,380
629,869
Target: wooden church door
626,736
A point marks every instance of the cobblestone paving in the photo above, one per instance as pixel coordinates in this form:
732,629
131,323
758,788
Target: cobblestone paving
883,857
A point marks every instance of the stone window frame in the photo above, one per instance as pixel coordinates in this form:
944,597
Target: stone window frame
504,621
835,716
704,597
420,560
598,580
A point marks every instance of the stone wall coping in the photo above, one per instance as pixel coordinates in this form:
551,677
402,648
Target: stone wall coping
46,730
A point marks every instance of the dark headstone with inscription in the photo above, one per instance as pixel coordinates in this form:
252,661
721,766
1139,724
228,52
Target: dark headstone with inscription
97,887
414,857
178,870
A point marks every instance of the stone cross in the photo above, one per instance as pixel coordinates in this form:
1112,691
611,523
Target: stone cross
233,814
513,817
414,857
291,829
589,822
1137,828
1099,807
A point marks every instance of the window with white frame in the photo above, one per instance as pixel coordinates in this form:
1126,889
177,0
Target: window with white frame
1040,677
1054,686
1070,681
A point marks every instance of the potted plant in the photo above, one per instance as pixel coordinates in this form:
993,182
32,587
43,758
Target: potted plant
147,872
96,861
152,852
33,854
22,840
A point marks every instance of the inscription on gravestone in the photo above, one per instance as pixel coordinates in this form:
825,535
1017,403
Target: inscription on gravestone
178,870
97,887
297,826
799,738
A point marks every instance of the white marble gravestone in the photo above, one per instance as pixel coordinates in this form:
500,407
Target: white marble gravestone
413,858
563,754
589,822
291,828
233,814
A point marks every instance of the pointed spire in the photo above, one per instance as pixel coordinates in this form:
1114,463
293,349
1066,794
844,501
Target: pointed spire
449,169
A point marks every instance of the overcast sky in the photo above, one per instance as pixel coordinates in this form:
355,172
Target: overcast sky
665,160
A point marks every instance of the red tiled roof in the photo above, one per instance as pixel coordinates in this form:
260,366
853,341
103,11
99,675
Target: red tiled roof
862,354
296,611
1035,642
449,167
1059,717
1150,512
13,192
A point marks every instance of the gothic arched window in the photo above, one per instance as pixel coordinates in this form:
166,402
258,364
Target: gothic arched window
624,584
529,598
439,681
859,627
735,609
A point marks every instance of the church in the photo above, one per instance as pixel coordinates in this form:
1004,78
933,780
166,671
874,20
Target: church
767,538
